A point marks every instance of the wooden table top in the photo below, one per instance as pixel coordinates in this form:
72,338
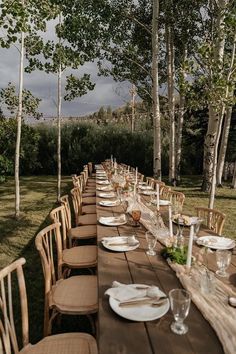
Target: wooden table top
117,335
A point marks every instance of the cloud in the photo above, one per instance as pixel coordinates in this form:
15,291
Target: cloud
106,93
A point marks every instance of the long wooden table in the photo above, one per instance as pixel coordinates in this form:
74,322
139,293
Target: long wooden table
117,335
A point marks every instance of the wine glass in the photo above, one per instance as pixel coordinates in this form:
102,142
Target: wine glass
180,300
196,228
136,215
223,259
151,241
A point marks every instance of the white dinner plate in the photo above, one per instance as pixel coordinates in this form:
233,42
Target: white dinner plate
146,188
107,195
101,177
192,220
113,220
162,202
109,203
106,182
119,244
148,192
105,188
216,242
145,312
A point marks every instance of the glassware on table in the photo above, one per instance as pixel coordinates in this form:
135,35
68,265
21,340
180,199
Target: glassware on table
223,259
136,215
196,228
151,241
180,300
207,282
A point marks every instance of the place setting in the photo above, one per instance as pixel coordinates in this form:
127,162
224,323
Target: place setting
107,195
138,302
109,203
113,220
120,243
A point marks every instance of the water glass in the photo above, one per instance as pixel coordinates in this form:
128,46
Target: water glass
223,259
151,241
207,282
180,300
196,228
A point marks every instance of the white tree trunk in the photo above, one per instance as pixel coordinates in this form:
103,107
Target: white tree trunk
59,133
59,100
234,177
18,135
216,110
171,100
155,94
223,146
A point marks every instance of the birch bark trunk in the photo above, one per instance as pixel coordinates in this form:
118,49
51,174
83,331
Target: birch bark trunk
216,112
234,177
171,100
155,94
223,146
18,135
59,100
59,133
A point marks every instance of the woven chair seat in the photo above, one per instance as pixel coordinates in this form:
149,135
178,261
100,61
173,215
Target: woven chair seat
88,200
77,294
83,232
81,256
66,343
88,219
89,209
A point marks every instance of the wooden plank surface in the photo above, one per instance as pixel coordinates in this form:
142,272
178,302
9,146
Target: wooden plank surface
117,335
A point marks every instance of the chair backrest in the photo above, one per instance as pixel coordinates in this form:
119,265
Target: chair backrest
214,219
150,181
46,241
64,200
90,168
8,338
58,215
165,192
177,200
77,203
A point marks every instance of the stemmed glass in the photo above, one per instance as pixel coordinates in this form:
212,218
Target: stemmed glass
151,241
223,259
136,215
196,228
180,300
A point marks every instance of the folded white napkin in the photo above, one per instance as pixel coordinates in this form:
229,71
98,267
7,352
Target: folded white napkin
122,292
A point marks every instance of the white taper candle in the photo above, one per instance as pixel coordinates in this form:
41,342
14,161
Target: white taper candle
190,246
136,175
158,197
170,221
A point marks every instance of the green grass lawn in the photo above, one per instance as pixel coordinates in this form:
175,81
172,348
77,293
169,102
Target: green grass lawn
38,197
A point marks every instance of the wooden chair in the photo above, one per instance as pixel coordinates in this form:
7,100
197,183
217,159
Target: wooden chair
177,200
77,295
76,257
165,192
214,219
80,232
150,181
72,343
87,219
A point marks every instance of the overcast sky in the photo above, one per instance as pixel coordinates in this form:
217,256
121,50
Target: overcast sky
106,92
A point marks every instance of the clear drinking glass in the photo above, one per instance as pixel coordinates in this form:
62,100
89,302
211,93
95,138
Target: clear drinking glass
180,300
223,259
196,228
151,241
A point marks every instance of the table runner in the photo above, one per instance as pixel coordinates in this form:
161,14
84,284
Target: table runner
214,308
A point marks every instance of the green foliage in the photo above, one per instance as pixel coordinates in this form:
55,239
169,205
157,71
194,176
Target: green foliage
28,152
176,255
10,99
